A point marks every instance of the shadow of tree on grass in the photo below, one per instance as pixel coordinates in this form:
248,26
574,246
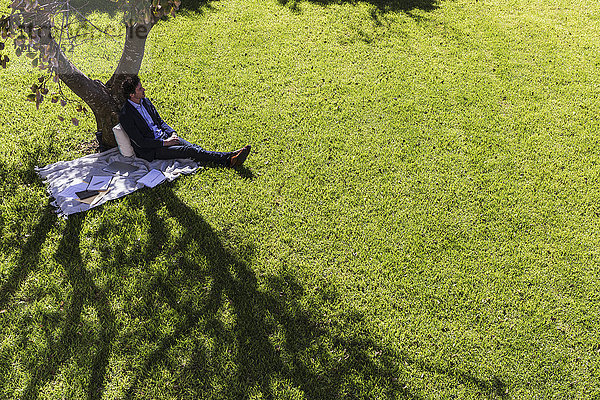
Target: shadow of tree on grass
198,314
381,6
113,8
57,352
259,315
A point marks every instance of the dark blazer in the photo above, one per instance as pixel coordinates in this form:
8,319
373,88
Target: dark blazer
142,138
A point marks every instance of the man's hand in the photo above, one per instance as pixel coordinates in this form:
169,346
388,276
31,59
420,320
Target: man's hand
172,141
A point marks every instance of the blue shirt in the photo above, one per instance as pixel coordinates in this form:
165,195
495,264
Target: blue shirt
158,133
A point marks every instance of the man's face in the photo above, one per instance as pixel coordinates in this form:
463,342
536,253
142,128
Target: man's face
139,94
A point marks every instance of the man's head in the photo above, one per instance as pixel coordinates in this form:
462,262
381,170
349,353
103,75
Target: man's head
133,89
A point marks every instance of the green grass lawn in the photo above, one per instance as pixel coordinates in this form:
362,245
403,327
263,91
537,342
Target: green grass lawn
419,217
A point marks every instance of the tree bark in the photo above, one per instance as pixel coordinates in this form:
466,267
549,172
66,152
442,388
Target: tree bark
131,57
105,100
94,93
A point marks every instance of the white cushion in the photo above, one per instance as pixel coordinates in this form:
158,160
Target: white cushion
123,141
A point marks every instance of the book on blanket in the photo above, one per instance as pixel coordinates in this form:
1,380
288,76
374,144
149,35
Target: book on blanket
119,167
86,194
99,182
152,178
88,191
93,198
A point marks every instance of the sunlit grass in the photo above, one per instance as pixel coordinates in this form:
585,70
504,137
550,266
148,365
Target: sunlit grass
418,217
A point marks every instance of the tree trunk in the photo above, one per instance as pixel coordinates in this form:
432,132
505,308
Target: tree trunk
105,101
131,58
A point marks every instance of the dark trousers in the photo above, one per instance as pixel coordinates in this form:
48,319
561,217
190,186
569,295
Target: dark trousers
186,149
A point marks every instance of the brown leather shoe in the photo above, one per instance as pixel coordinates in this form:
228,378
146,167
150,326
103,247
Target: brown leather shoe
239,157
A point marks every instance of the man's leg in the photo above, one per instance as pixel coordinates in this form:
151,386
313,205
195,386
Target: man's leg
189,150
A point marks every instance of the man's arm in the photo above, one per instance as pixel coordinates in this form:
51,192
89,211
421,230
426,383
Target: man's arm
172,140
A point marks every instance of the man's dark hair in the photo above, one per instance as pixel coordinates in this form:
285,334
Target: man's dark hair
129,85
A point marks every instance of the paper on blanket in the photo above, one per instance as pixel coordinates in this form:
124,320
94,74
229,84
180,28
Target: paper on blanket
70,192
99,182
152,178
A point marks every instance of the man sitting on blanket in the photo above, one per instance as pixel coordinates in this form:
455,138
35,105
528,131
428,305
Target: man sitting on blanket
151,137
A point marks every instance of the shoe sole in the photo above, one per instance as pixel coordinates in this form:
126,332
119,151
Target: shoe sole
240,157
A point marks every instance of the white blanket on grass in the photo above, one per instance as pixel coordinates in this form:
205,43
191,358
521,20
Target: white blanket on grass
65,174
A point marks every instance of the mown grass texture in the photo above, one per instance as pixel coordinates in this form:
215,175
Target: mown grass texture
418,217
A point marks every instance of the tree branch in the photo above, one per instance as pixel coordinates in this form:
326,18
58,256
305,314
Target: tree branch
90,91
132,56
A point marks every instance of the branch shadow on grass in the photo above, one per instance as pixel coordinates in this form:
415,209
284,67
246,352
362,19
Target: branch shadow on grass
71,343
195,5
111,7
86,7
382,7
273,339
257,317
16,238
57,334
233,334
28,256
